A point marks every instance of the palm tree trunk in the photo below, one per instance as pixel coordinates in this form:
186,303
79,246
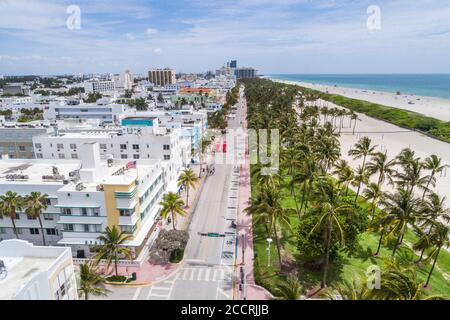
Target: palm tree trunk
327,256
397,243
115,266
173,221
278,244
86,296
14,225
357,193
303,196
432,268
373,210
42,229
354,127
187,196
426,188
379,244
423,250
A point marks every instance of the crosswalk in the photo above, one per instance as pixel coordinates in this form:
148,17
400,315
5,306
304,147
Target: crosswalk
204,274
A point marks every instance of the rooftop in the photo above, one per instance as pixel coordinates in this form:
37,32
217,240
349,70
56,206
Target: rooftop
23,262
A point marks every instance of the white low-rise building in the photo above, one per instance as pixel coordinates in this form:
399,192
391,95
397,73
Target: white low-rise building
99,86
29,272
139,138
85,197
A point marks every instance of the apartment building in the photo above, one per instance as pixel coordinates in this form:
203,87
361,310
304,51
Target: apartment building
162,77
30,272
138,138
85,197
17,141
245,73
99,86
103,110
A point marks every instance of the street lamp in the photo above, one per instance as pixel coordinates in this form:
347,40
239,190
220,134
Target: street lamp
269,241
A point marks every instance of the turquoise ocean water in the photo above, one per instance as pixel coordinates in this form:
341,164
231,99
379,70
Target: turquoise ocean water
432,85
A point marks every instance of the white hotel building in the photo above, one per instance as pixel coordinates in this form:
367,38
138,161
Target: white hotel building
99,86
85,197
139,138
29,272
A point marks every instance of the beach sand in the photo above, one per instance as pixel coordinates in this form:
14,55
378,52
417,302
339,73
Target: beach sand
393,139
433,107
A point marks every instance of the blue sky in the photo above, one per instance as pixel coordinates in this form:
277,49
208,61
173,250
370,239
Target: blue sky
283,36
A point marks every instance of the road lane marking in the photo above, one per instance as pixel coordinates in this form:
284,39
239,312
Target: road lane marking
192,275
137,293
200,273
208,272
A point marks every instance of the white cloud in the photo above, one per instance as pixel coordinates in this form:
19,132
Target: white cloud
151,31
130,36
157,51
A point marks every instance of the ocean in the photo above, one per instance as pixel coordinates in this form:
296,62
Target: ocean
432,85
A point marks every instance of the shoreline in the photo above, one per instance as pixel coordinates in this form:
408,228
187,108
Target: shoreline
434,107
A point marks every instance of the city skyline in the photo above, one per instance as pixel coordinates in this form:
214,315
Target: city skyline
291,36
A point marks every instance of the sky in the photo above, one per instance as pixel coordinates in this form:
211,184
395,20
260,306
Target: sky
282,36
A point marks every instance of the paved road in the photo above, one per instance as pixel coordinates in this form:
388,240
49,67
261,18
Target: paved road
208,269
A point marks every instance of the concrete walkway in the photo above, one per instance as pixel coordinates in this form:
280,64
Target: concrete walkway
245,254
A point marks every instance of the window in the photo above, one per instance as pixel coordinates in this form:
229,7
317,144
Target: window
22,148
166,157
61,156
74,156
96,213
86,228
34,231
48,217
124,156
135,156
68,227
47,202
135,147
17,216
38,146
31,218
73,146
125,212
166,147
67,211
103,146
60,146
39,155
2,230
51,232
84,212
123,147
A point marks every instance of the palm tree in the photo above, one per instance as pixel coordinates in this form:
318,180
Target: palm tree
439,239
91,282
276,214
433,163
188,179
373,193
290,160
402,210
345,174
289,289
172,204
412,176
34,205
327,202
360,177
362,149
112,247
432,210
354,117
400,283
10,203
355,290
380,164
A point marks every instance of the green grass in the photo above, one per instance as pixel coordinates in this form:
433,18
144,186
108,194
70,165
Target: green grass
347,267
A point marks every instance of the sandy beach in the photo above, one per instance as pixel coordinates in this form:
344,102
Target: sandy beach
433,107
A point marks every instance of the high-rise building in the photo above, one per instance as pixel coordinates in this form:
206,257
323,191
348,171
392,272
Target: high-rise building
245,73
162,77
233,64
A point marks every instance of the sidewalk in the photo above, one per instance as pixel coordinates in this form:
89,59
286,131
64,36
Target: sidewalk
245,236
